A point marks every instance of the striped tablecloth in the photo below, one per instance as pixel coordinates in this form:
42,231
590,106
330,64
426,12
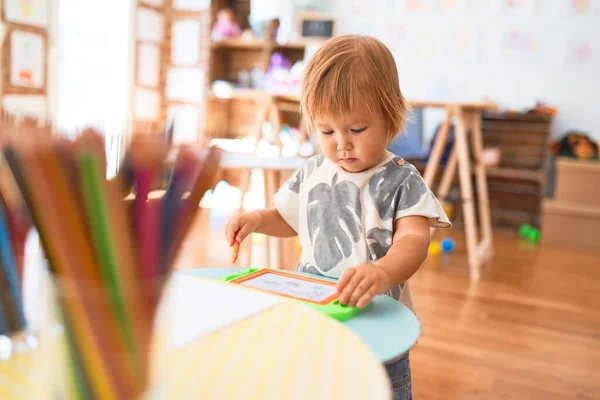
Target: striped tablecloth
286,352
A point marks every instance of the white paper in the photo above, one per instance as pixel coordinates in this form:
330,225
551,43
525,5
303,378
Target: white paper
421,5
26,60
461,42
147,104
581,53
27,12
157,3
519,45
580,7
25,106
518,6
148,65
150,25
185,43
453,6
185,120
185,84
196,307
191,5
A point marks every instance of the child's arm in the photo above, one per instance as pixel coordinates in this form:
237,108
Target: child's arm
360,284
268,222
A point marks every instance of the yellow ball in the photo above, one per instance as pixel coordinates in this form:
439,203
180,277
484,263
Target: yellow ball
435,248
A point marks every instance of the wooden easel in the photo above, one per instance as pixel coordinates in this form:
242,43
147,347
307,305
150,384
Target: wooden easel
467,117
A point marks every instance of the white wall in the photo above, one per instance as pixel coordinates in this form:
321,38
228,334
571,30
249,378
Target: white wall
539,64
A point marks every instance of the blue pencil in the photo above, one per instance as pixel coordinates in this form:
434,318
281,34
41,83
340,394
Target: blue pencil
10,270
4,329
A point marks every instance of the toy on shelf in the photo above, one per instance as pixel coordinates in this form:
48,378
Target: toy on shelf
576,144
226,26
530,233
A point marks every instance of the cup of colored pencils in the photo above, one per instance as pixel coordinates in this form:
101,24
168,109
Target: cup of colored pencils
109,247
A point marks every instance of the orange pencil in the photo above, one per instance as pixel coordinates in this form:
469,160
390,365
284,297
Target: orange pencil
61,256
236,251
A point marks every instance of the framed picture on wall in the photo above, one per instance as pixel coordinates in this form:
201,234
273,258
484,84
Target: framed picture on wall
316,26
27,12
148,65
27,60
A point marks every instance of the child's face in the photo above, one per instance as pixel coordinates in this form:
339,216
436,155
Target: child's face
356,142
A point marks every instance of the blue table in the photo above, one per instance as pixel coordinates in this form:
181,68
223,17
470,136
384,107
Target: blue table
387,327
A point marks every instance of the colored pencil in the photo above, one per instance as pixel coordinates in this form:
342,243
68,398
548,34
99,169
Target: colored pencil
202,182
85,321
10,271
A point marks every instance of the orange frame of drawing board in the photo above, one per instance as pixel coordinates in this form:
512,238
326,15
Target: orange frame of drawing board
328,305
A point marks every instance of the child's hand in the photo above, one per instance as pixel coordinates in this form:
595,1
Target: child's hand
242,225
358,285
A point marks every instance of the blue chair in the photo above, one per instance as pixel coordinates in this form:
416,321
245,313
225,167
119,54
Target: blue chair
409,144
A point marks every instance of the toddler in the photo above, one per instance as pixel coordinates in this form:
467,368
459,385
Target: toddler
362,214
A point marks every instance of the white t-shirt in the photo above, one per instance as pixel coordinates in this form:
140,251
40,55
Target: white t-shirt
344,219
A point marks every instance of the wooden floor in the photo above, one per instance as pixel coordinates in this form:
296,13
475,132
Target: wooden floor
530,329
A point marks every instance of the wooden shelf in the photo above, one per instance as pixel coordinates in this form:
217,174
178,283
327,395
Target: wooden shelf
516,173
239,44
243,94
251,94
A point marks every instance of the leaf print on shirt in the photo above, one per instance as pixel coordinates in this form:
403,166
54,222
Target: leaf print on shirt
331,209
396,188
307,269
395,291
379,242
304,172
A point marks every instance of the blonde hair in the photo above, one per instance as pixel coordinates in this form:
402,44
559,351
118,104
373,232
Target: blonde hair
350,71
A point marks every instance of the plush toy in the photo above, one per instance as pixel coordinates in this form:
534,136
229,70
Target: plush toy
576,145
226,26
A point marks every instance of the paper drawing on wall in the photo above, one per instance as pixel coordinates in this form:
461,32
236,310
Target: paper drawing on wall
185,43
148,65
396,36
461,42
453,6
149,25
425,44
519,6
27,60
27,12
356,7
421,5
580,6
580,53
519,45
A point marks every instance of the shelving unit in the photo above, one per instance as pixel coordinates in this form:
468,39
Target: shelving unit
518,185
237,112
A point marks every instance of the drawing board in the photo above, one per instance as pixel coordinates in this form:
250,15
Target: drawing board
321,294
